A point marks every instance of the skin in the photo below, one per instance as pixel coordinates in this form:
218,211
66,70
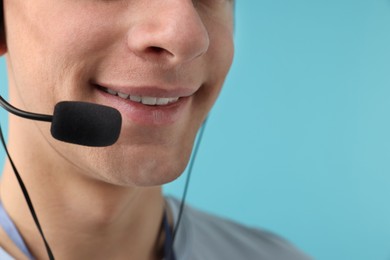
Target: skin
106,203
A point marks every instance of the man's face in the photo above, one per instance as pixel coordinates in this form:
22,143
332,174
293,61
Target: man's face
160,63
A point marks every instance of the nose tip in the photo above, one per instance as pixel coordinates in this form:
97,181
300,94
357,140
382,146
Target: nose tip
174,37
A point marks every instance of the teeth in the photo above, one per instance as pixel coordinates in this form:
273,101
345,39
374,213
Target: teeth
171,100
149,101
135,98
146,100
112,92
162,101
122,95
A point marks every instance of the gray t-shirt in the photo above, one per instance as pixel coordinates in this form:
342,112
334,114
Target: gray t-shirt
202,236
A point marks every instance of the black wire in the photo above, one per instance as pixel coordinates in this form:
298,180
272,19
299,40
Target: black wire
26,196
182,203
28,115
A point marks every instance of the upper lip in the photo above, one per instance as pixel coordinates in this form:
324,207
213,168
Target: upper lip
150,90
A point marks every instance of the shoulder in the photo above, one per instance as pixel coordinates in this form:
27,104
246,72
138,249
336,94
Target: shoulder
212,237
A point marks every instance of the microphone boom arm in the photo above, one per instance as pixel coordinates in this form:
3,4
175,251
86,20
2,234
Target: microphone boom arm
28,115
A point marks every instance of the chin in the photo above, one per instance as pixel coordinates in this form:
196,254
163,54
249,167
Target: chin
144,171
149,177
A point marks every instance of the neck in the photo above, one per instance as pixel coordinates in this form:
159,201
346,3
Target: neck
82,218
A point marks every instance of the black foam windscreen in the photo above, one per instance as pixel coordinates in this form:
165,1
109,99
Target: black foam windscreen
86,123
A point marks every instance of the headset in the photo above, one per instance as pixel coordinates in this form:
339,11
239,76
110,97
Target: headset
87,124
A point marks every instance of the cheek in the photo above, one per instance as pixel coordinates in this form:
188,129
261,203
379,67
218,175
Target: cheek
51,53
217,62
219,59
54,31
222,49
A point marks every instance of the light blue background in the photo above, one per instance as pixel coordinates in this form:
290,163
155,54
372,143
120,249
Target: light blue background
299,142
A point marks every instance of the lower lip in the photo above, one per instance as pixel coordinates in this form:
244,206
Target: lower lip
145,114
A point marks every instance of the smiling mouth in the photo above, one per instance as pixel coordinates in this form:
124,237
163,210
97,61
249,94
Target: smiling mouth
145,100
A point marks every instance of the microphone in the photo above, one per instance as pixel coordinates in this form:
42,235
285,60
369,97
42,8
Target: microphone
79,123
